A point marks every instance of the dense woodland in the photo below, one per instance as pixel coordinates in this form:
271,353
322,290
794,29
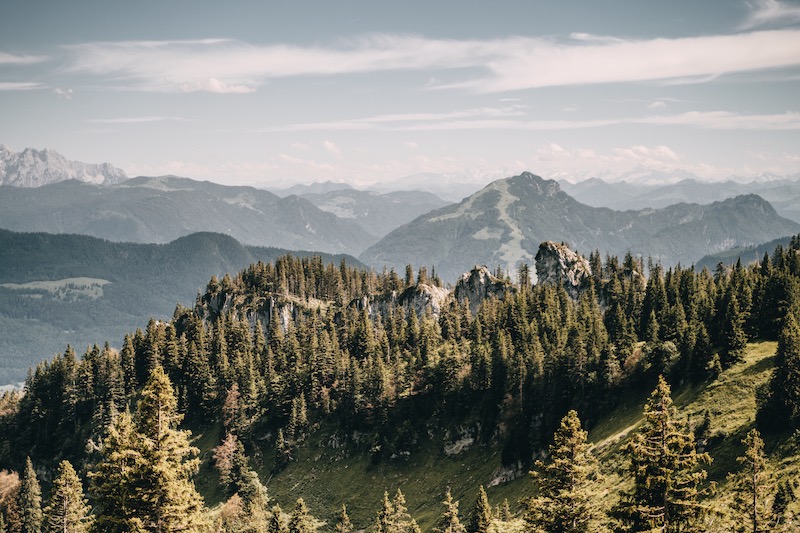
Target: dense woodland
282,349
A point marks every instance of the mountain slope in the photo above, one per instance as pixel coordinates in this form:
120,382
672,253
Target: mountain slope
164,208
73,289
504,223
34,168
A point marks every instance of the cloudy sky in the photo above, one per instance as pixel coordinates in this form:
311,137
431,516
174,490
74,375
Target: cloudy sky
272,93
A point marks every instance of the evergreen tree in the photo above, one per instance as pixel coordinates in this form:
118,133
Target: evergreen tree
750,486
343,524
783,402
68,510
171,502
393,516
734,338
117,479
449,522
301,521
277,522
664,464
564,503
29,500
481,517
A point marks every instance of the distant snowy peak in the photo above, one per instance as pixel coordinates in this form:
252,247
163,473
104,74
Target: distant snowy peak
34,168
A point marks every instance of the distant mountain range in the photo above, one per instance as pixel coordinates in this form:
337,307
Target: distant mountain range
162,209
376,213
34,168
504,223
60,289
782,192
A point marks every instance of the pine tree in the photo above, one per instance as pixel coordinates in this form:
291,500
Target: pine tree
734,338
343,524
393,516
171,502
750,486
29,500
664,465
449,522
481,517
564,503
68,510
277,522
301,521
117,479
784,389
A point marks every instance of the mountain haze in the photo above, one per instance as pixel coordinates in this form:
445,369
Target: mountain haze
503,224
74,289
34,168
162,209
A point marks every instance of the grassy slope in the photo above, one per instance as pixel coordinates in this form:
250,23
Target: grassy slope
326,477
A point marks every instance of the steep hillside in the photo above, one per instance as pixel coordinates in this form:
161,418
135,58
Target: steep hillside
504,223
163,209
34,168
71,289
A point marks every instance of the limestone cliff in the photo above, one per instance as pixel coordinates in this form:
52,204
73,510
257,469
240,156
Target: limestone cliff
557,265
477,285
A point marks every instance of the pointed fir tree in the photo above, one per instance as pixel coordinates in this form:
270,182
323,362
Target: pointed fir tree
565,502
666,470
29,500
117,479
734,338
343,523
750,487
449,522
481,517
783,402
277,521
68,510
301,521
171,501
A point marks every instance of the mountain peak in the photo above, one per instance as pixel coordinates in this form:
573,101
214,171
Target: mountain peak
34,168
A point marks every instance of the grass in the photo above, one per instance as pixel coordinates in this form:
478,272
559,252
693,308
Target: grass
327,476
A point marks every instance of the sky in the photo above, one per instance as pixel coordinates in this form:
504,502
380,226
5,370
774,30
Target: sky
274,93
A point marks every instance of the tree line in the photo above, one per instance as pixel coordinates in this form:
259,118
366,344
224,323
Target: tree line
281,347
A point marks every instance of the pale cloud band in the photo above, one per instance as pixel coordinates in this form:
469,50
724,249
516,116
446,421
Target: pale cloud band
481,119
508,64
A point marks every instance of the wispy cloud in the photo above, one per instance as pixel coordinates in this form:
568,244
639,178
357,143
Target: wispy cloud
508,64
14,59
65,94
719,120
133,120
20,86
764,12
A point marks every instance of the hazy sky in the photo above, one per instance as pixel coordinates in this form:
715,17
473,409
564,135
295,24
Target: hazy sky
270,93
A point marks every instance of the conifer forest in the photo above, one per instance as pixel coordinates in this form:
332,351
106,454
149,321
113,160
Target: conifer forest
190,424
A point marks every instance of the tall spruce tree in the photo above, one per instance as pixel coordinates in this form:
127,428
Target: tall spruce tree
301,520
564,503
481,517
784,388
68,510
343,523
29,500
750,486
171,502
666,470
449,521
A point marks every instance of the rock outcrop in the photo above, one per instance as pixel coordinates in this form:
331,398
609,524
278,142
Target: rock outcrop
557,265
423,298
477,285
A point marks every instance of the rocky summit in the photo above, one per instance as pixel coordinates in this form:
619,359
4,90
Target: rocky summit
557,265
34,168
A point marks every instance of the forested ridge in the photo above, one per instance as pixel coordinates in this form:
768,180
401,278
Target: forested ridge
283,350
